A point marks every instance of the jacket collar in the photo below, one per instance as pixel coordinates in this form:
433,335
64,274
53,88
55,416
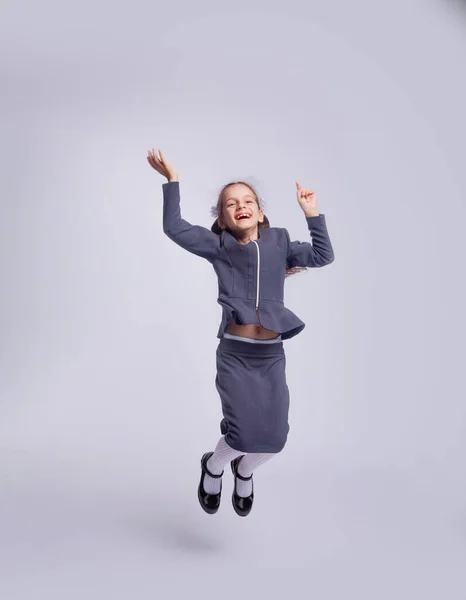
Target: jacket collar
230,241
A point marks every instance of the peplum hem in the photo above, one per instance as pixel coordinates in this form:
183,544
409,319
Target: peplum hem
273,315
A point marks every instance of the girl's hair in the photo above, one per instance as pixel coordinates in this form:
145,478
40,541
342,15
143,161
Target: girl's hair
217,209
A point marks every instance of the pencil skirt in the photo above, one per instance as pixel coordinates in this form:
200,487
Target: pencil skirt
251,382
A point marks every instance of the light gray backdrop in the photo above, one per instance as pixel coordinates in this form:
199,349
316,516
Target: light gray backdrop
108,329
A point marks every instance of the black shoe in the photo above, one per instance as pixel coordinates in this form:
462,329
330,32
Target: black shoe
242,506
209,502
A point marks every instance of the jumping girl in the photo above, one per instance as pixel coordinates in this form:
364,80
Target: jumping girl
251,260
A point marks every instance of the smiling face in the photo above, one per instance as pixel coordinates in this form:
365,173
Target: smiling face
240,212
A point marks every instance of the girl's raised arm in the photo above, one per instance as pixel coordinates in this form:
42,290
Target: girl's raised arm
316,254
305,254
194,238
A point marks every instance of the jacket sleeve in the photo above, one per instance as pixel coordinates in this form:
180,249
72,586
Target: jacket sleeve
316,254
194,238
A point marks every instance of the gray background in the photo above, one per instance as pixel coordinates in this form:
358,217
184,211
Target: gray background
108,328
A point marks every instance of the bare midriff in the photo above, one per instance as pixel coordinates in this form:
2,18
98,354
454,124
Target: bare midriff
252,330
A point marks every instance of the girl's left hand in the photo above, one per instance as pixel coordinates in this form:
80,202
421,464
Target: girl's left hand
293,270
307,201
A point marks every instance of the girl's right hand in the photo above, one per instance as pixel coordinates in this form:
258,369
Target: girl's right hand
161,165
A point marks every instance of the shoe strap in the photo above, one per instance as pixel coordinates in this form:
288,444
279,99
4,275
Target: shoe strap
241,476
206,470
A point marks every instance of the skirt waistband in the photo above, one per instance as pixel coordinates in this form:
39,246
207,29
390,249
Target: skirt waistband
237,346
275,340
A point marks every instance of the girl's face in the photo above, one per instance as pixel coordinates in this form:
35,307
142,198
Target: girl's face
240,212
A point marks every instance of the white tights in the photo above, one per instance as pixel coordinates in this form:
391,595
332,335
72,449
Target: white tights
223,455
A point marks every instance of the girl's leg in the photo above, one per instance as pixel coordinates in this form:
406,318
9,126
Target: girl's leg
223,454
246,467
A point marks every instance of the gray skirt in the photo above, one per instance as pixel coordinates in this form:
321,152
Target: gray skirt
251,382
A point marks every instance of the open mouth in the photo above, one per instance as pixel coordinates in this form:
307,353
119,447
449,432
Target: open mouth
242,217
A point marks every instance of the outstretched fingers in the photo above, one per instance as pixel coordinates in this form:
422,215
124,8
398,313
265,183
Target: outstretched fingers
155,161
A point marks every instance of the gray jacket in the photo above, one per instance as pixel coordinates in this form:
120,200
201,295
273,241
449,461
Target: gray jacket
250,276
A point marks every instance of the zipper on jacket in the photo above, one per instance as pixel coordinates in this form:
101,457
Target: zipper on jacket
257,285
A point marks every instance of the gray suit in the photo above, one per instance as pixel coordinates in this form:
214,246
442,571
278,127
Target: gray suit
251,378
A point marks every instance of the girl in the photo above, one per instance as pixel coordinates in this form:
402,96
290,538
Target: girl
251,260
